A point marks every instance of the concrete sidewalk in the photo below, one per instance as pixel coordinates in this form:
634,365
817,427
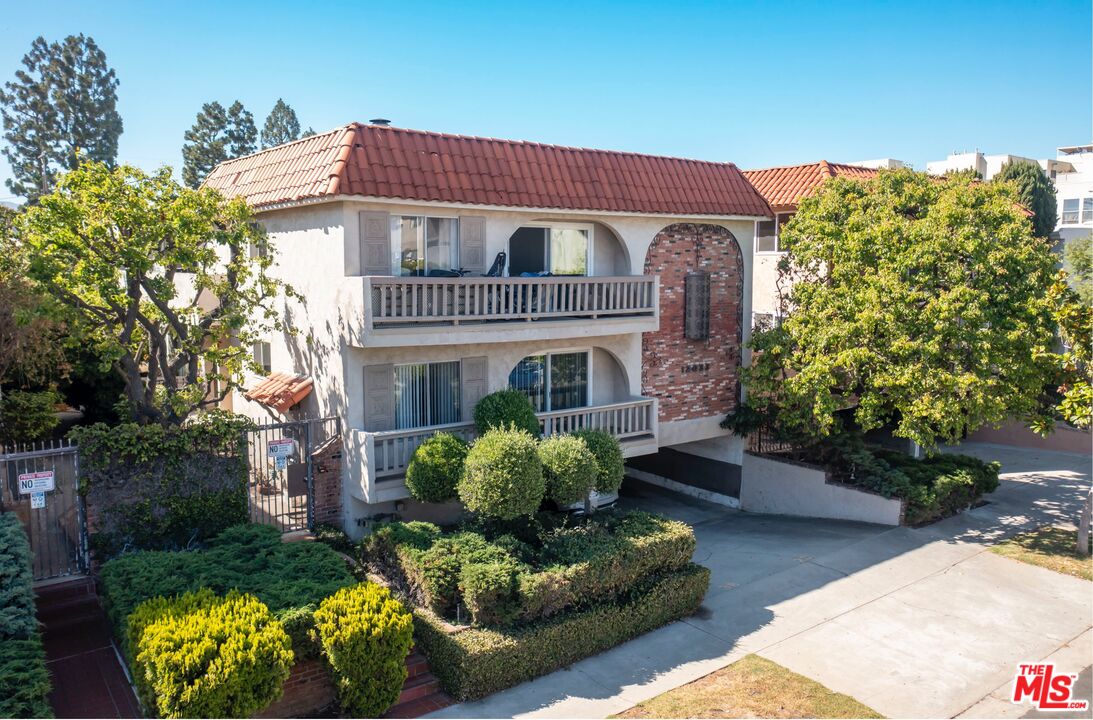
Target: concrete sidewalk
914,623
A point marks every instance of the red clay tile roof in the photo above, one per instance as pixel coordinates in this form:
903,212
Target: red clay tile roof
387,162
783,187
280,391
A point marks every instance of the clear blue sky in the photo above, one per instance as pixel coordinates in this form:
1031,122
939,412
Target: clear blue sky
755,83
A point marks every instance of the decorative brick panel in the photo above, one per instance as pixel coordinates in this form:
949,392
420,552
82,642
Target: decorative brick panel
694,378
326,466
306,693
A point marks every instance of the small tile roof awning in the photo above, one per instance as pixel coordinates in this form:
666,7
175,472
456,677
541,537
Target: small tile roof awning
280,391
377,161
784,187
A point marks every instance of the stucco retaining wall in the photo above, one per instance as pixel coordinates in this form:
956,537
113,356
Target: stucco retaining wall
786,488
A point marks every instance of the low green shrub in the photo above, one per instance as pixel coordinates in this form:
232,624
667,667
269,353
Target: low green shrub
27,416
570,469
503,409
248,558
333,537
476,662
24,680
502,475
366,635
203,656
16,581
435,468
605,447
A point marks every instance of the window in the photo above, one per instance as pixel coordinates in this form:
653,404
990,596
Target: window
1087,210
427,394
765,321
767,233
1070,211
423,244
696,300
262,356
559,250
553,381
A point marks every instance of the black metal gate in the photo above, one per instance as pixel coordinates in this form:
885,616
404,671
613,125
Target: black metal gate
39,483
281,483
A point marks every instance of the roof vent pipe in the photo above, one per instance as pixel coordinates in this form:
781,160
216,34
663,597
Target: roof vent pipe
382,122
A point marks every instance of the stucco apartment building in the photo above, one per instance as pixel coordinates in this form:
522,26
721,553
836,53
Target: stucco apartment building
612,288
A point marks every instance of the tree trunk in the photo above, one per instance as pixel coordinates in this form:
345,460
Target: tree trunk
1083,524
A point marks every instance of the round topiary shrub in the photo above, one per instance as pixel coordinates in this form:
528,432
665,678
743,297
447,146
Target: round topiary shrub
569,467
504,408
605,447
199,655
366,635
435,468
502,476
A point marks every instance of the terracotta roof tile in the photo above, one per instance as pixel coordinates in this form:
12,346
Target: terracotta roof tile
280,391
783,187
386,162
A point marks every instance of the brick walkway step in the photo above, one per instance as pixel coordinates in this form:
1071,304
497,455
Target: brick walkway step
418,687
416,664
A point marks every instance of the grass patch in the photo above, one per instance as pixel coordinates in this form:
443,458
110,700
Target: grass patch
751,687
1053,548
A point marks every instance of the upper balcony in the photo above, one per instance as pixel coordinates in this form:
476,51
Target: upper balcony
401,311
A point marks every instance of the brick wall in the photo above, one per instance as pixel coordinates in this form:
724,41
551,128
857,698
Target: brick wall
326,465
694,378
307,691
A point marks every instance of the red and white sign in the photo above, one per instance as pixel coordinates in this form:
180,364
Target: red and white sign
1039,685
36,482
282,448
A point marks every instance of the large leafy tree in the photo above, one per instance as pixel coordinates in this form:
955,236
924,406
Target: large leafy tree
160,278
281,125
61,108
1075,363
917,302
1035,191
1078,262
216,135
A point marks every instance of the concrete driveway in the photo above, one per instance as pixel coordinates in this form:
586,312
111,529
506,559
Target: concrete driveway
914,623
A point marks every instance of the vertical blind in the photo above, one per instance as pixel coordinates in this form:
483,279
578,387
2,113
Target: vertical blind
426,394
553,382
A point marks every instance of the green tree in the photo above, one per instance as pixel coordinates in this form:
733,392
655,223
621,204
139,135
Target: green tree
1078,263
308,133
281,126
916,302
1035,191
129,255
1074,316
216,135
61,108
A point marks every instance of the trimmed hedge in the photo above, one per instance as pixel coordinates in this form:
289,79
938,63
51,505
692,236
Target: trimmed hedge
476,662
366,635
199,655
435,468
24,680
503,409
502,475
605,447
569,467
287,577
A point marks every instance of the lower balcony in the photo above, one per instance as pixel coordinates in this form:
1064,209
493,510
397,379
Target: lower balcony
383,456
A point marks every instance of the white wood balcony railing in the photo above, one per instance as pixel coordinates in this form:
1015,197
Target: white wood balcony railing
402,301
392,449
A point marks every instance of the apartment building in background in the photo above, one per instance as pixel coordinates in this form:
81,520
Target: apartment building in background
611,288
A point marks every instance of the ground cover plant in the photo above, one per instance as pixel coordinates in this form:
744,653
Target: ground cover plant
1054,548
24,680
538,593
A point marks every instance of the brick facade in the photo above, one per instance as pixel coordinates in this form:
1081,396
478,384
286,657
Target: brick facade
694,378
326,465
306,693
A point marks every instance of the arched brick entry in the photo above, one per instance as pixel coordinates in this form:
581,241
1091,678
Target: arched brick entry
694,378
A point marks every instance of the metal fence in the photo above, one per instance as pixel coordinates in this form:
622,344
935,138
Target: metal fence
39,483
281,476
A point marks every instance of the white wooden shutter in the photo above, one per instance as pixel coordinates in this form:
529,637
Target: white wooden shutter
379,397
375,243
472,244
474,382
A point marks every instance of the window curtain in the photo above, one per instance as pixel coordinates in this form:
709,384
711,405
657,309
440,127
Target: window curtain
426,394
568,251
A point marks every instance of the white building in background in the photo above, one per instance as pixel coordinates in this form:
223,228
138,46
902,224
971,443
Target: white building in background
987,166
1072,171
881,164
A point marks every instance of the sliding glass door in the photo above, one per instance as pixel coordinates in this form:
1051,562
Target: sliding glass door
553,381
